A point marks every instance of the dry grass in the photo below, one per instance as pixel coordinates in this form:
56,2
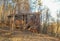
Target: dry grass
28,36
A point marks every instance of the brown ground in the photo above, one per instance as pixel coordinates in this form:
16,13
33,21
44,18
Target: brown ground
27,36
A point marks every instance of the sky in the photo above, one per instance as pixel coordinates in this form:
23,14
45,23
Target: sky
53,5
34,5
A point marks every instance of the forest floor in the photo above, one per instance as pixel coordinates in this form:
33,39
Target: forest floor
27,36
